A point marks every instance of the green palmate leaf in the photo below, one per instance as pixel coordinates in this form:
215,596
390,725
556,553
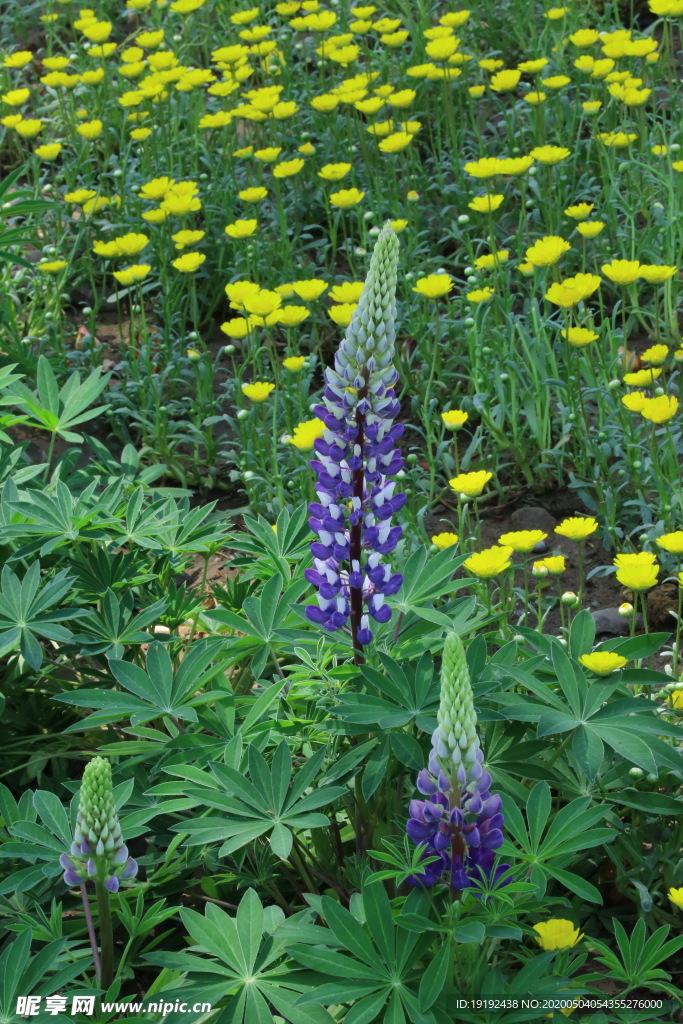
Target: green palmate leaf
263,804
237,956
25,612
156,691
549,848
60,409
378,963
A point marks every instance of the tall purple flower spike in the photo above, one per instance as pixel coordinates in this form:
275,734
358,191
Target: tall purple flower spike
356,457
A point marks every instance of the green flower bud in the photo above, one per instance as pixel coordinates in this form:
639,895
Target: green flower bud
455,739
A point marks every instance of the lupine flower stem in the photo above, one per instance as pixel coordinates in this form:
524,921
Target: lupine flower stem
106,972
91,929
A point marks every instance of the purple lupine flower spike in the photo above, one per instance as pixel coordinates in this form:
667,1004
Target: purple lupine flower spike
460,821
98,852
356,457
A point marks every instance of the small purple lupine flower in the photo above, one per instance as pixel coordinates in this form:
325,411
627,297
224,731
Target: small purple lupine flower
460,820
98,852
356,457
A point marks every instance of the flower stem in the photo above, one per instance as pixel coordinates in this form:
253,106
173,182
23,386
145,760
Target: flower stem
106,972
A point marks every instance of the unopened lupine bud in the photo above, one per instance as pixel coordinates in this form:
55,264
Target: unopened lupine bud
98,852
455,738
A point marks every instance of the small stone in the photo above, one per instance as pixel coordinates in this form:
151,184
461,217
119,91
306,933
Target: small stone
533,518
609,621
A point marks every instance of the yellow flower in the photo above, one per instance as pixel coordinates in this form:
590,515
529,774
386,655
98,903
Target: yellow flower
294,363
269,154
80,196
253,195
555,13
97,31
676,697
470,484
444,540
241,228
454,19
639,576
138,272
584,37
557,934
29,128
51,266
547,251
550,154
262,302
441,49
189,262
48,152
18,60
342,313
618,140
671,542
579,336
334,172
535,97
154,216
287,168
660,409
309,290
485,167
602,663
580,211
577,527
15,97
150,40
505,81
156,189
139,134
522,540
641,378
622,271
307,433
591,106
348,291
90,129
590,228
480,295
490,64
556,81
131,243
489,562
290,316
398,225
553,564
186,237
655,354
634,401
454,418
486,204
238,327
434,286
531,67
258,391
572,290
491,259
675,895
346,197
396,142
515,165
656,274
